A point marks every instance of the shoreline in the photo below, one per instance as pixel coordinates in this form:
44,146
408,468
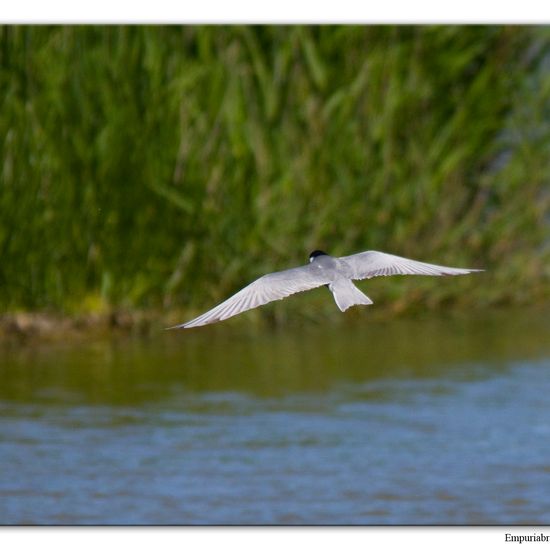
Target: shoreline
23,327
47,327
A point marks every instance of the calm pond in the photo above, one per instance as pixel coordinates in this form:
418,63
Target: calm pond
435,420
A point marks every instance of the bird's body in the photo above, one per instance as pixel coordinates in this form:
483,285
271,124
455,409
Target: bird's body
323,270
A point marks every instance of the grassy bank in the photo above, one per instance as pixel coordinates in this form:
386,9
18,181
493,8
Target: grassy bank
164,167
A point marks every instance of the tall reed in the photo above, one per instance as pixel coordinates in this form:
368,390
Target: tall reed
168,166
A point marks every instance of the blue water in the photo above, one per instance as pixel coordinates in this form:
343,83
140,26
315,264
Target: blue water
463,443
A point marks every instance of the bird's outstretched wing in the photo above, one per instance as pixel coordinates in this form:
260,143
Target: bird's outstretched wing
271,287
366,265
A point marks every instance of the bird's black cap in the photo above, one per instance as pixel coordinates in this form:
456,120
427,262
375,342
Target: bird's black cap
316,253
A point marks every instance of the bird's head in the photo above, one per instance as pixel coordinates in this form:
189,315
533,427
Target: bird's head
316,253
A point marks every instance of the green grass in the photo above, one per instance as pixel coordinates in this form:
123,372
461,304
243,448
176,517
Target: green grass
150,167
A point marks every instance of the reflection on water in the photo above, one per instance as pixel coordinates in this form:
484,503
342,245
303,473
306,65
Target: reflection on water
439,420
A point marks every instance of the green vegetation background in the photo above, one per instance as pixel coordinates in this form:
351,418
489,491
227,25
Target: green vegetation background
166,167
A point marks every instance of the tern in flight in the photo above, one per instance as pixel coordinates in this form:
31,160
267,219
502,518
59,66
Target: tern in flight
323,270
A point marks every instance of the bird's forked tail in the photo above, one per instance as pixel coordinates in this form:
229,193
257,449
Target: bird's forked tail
346,294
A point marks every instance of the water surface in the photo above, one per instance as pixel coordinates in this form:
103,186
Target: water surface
437,420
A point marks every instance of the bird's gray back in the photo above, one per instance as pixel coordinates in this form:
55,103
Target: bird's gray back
329,266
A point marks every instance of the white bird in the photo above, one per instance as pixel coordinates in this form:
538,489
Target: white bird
335,273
